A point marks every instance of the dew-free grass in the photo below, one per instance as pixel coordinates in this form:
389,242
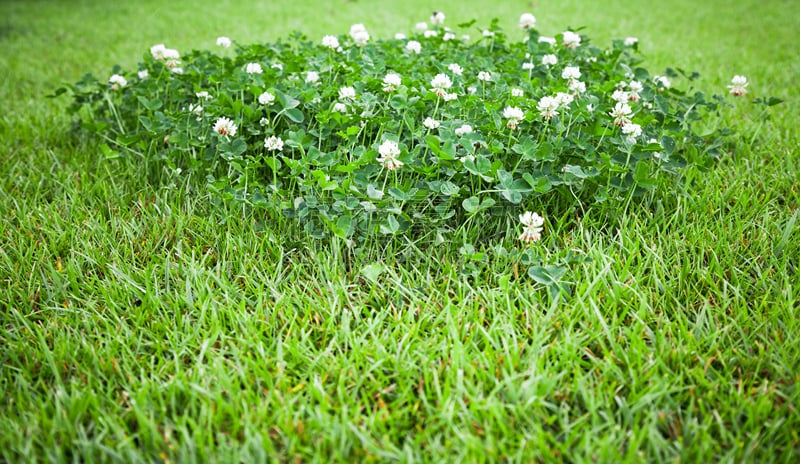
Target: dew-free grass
143,322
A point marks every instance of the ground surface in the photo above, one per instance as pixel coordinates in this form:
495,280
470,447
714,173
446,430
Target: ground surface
139,324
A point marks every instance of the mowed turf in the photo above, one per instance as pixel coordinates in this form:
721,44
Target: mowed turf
146,322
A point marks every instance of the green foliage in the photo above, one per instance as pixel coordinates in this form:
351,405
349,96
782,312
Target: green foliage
459,142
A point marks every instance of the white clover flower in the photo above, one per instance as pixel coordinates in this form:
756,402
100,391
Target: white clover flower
548,40
312,77
143,74
590,108
225,127
330,41
465,37
455,69
224,42
359,34
273,143
170,54
431,123
738,86
527,21
176,70
437,18
197,110
347,92
340,107
464,129
487,33
263,122
634,88
527,66
549,60
391,82
630,41
277,66
158,51
620,114
620,96
117,81
414,46
663,81
203,95
571,39
632,131
448,36
577,87
548,107
517,92
400,36
533,226
564,99
389,151
514,116
421,26
430,33
571,73
440,83
449,97
656,154
253,68
484,76
266,98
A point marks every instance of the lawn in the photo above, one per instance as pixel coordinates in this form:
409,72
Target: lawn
146,321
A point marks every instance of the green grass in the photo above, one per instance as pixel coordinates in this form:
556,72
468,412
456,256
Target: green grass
143,322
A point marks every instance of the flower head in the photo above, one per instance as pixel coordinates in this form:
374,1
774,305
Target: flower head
632,131
548,107
224,42
440,83
577,87
455,69
312,77
662,81
448,36
548,40
143,74
203,95
273,143
340,107
517,92
391,82
117,81
620,114
738,86
266,98
549,60
359,34
533,225
485,76
527,21
437,18
464,129
389,151
571,73
414,46
571,39
430,33
527,66
225,127
347,92
421,26
254,68
330,41
620,96
161,53
514,116
431,123
564,99
449,97
630,41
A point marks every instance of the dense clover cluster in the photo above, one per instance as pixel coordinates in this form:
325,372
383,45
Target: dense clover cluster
360,137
